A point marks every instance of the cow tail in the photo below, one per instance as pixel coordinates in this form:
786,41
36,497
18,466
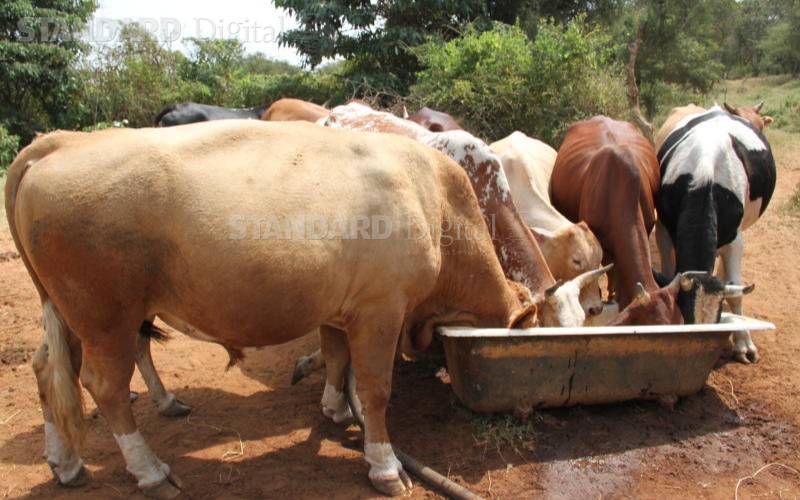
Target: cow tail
61,389
53,363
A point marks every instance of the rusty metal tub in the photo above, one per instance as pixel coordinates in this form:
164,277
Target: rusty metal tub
499,370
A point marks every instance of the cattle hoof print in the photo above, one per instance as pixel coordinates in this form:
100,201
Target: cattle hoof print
170,487
394,487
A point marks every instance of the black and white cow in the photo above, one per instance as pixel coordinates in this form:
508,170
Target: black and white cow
192,112
717,177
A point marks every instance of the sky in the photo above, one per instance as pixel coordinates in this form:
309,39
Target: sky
257,23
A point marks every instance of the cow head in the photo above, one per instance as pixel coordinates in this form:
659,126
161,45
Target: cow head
691,297
433,120
751,114
702,294
562,304
571,251
652,308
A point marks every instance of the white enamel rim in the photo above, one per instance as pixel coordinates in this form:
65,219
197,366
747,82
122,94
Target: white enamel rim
728,323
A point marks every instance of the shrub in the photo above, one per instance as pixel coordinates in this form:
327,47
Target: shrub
258,90
9,146
499,81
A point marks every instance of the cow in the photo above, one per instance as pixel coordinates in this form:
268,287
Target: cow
569,249
718,175
704,292
192,112
750,113
288,109
433,120
226,225
606,174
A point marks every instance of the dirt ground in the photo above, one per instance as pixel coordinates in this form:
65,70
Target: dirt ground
252,434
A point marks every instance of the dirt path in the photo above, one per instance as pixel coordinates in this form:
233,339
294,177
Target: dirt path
253,435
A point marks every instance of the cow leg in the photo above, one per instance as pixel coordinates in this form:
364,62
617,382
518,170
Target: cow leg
744,350
372,346
168,405
666,250
333,345
61,455
106,373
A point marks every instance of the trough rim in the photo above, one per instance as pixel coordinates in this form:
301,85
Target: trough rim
728,323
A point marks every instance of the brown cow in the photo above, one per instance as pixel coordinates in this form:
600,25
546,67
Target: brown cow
117,226
433,120
290,110
606,174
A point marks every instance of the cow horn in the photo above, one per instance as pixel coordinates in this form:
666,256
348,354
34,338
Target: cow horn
590,276
405,112
729,108
757,107
738,290
642,297
550,293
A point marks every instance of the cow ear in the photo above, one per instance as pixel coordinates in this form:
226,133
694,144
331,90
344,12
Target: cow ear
527,317
768,120
539,236
730,109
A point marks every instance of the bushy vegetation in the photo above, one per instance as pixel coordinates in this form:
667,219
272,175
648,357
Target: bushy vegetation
498,81
9,144
530,65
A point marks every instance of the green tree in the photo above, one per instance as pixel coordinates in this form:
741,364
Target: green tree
781,44
133,79
374,35
498,81
39,44
680,47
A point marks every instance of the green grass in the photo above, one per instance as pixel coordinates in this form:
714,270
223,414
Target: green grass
505,431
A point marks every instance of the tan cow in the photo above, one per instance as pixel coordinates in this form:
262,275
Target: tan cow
570,249
226,225
291,110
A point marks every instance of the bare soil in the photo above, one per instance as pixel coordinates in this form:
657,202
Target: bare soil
252,434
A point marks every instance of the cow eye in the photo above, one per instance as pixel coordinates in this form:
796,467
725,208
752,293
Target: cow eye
577,262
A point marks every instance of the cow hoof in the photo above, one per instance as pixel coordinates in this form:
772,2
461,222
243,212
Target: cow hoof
82,478
340,415
170,487
174,408
393,486
302,367
744,350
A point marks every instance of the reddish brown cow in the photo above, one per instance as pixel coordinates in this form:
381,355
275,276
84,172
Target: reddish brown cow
606,174
435,121
292,110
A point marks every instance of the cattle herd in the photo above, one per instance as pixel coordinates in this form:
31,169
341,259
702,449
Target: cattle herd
372,230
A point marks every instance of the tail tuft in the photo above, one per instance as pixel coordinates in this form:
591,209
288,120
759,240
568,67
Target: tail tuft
62,392
151,331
